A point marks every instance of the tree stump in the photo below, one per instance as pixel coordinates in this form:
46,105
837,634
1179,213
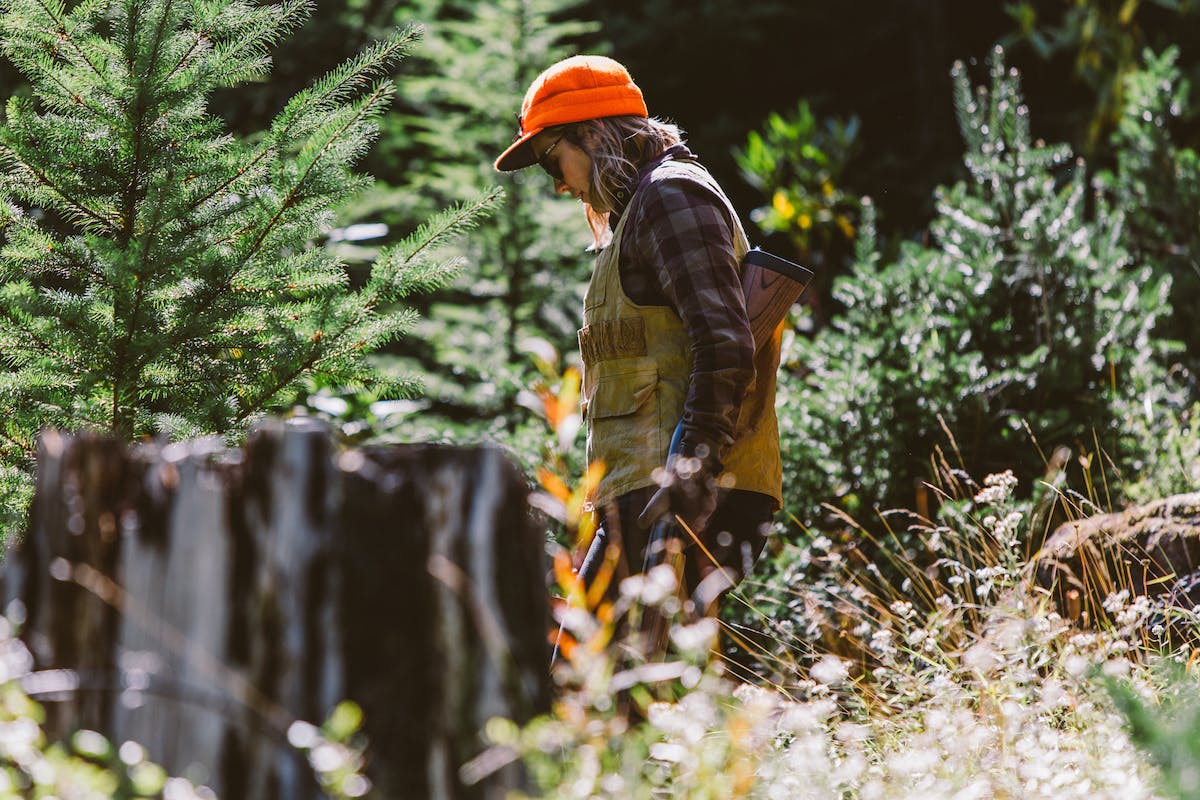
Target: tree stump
1151,550
199,600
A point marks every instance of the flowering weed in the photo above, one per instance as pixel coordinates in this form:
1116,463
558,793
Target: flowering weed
951,675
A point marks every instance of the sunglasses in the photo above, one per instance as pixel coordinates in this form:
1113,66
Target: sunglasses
552,167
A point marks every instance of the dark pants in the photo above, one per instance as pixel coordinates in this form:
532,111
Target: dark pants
734,538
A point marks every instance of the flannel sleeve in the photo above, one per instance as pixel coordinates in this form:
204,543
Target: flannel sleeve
684,236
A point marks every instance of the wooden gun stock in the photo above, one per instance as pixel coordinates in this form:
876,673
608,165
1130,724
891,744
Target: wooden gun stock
771,284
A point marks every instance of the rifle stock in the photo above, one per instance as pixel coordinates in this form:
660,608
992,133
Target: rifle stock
770,284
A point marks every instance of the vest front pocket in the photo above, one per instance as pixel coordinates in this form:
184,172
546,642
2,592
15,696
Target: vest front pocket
623,424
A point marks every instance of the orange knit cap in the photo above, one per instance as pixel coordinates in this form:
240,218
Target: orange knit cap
574,89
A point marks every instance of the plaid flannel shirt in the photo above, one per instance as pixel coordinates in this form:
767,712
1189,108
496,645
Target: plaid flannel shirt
677,251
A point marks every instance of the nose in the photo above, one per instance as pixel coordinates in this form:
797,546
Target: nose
561,187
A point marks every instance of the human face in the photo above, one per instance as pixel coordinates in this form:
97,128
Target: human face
568,164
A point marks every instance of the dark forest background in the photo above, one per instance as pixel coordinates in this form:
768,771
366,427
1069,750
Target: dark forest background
719,67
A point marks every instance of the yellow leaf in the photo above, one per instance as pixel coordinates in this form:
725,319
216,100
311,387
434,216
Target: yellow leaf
847,228
568,392
591,479
550,407
553,484
565,642
565,575
586,529
595,472
1128,9
782,205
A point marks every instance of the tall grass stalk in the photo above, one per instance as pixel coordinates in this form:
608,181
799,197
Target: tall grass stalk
944,673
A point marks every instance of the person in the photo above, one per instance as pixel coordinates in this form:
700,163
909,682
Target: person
665,341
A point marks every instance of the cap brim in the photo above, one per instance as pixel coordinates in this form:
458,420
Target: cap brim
519,154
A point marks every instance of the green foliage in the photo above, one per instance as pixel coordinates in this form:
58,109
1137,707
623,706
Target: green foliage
155,272
522,291
1029,314
1157,183
1102,41
1168,733
1173,462
802,164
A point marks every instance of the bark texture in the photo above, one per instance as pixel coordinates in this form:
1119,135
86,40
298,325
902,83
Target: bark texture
199,600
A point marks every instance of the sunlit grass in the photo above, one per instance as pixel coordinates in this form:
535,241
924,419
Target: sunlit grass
938,668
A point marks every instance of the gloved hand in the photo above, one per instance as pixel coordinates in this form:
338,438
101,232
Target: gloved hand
687,488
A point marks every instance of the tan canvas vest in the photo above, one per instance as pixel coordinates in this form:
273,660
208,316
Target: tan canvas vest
636,365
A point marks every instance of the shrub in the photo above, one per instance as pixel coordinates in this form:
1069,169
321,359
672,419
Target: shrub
1026,324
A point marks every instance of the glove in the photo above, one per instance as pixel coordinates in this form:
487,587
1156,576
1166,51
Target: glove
687,488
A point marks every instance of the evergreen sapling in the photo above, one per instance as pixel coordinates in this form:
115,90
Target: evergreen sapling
157,274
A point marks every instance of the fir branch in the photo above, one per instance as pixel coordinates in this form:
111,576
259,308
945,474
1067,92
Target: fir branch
159,31
280,19
42,345
72,99
132,326
254,406
15,161
58,15
345,80
366,110
25,445
239,173
390,267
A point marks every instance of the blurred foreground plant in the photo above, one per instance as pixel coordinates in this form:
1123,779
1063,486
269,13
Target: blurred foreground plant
961,681
1166,726
89,767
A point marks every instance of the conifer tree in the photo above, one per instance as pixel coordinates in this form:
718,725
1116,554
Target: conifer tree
156,275
528,265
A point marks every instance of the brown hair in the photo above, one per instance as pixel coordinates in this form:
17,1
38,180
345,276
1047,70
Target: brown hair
619,147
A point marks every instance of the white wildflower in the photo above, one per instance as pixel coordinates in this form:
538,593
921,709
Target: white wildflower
996,489
935,541
1076,665
881,642
981,657
806,717
1116,667
830,671
1116,601
699,637
1135,612
916,636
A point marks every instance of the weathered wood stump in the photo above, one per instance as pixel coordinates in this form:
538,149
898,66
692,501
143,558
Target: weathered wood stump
1151,550
199,600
